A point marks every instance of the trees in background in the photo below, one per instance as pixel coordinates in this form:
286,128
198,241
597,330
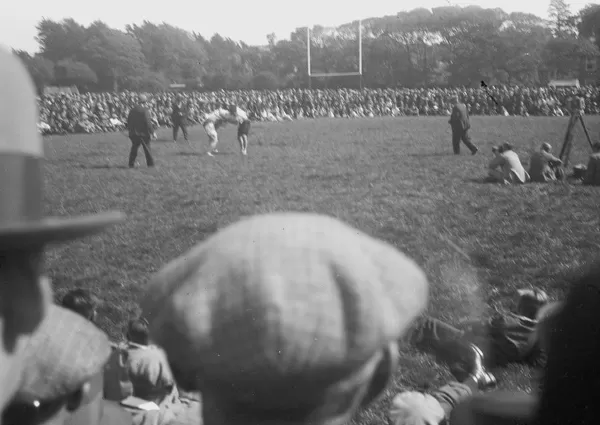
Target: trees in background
443,46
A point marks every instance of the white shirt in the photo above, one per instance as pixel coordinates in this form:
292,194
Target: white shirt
220,117
241,115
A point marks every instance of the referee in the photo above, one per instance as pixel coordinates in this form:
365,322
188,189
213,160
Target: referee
140,129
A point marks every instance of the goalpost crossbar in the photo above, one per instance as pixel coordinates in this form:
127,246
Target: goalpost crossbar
335,74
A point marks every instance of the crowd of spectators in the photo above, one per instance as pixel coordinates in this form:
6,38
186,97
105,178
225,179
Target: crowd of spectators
101,112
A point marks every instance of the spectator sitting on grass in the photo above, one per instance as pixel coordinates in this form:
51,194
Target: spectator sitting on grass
545,167
511,170
592,173
147,366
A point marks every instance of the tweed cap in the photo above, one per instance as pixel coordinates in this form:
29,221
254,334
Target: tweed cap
285,303
63,353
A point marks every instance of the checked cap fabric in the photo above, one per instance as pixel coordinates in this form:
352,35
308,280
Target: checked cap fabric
276,308
61,355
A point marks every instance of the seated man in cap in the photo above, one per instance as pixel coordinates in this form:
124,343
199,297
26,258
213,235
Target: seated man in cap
505,338
61,381
24,231
147,366
592,173
511,170
545,167
285,318
143,372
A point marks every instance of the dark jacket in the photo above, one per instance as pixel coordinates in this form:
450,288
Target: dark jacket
139,122
542,167
459,120
592,174
179,114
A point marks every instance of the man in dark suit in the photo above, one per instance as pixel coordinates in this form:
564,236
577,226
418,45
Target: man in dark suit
179,116
140,129
459,121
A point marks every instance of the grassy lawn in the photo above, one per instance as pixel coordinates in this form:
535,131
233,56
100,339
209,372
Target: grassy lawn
395,179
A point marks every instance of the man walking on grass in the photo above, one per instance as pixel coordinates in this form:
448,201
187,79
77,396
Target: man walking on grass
140,129
459,121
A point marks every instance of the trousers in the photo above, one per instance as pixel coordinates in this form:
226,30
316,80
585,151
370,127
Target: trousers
459,135
176,126
453,345
144,141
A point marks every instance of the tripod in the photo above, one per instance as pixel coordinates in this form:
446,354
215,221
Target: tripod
568,143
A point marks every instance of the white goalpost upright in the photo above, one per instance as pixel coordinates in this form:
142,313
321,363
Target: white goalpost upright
312,75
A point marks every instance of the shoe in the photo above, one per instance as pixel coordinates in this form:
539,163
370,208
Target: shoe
216,151
484,379
209,153
475,151
244,152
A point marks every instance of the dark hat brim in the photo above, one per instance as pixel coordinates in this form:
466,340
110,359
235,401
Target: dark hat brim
54,230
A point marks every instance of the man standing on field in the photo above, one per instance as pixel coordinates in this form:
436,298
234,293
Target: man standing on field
459,121
140,129
216,119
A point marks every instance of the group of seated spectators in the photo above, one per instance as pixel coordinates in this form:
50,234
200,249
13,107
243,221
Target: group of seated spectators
104,112
506,167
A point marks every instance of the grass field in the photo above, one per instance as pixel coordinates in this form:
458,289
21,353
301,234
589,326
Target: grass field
393,178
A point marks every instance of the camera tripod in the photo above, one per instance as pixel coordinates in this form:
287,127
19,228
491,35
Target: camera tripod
568,143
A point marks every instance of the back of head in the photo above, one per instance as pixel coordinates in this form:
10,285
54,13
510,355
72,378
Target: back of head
81,302
570,384
137,331
298,305
507,147
546,147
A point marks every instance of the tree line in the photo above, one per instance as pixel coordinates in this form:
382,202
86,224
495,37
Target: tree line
445,46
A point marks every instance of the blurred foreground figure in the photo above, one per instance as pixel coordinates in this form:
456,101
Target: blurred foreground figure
62,375
24,231
570,331
285,318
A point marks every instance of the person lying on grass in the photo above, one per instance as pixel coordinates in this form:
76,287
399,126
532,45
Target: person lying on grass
506,338
416,408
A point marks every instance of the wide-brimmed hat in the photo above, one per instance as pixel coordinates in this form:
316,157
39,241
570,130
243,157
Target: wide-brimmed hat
22,220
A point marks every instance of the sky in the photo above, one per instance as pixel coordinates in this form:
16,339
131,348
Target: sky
242,20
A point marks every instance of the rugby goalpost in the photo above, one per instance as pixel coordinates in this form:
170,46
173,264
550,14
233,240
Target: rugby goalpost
358,74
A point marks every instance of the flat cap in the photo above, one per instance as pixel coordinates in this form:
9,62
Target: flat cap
61,355
285,303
